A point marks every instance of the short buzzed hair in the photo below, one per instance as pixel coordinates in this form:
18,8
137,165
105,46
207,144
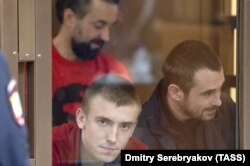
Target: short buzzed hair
113,88
185,59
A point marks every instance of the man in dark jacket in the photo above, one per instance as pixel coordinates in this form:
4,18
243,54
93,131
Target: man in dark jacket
13,136
187,109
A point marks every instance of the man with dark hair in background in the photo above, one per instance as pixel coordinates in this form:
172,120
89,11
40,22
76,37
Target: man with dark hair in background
77,52
187,109
13,134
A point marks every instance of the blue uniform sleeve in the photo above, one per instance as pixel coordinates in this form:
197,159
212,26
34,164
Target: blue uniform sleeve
13,137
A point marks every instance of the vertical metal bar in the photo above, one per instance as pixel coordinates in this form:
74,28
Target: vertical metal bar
8,33
26,30
243,81
42,77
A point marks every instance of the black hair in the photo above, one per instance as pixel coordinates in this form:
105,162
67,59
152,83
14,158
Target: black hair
187,58
77,6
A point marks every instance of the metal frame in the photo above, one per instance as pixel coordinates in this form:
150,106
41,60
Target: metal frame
40,66
42,77
25,37
8,25
243,72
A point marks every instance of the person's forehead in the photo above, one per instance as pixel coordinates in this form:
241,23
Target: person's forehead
208,79
103,10
101,107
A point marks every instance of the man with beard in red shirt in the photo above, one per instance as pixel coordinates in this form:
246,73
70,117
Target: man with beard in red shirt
77,56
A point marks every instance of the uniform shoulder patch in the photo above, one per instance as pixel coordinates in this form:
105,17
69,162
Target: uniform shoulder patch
15,103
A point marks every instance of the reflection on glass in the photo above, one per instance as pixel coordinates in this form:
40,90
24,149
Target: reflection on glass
143,38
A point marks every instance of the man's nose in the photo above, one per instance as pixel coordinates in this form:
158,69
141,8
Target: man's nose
112,135
217,100
105,35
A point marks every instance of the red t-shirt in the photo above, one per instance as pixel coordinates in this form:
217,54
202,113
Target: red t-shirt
66,144
71,78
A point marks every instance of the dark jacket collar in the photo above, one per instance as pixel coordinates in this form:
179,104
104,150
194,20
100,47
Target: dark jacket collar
159,125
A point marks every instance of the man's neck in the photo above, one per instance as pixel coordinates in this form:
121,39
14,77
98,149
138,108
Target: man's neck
87,159
176,110
62,43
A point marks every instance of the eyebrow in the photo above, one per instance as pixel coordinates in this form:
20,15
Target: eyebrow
211,90
101,22
103,118
109,120
128,123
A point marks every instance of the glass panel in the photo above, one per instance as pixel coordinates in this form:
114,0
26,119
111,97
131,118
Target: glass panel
145,36
142,38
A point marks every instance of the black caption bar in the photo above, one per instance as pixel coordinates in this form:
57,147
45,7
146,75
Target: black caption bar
186,157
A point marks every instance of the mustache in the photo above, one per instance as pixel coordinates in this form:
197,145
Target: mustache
84,51
99,42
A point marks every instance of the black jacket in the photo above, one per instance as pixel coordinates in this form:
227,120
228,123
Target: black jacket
155,130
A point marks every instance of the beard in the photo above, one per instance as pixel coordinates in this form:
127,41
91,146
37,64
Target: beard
205,114
84,51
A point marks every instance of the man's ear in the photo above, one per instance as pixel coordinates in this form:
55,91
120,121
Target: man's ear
175,92
69,17
80,118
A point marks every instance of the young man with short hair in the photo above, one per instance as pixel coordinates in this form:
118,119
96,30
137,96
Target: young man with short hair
104,126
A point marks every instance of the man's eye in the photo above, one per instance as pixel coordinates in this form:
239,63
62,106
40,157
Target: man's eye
125,126
102,122
98,26
208,93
